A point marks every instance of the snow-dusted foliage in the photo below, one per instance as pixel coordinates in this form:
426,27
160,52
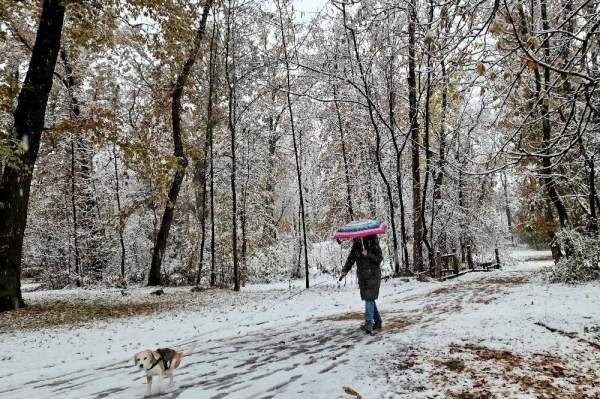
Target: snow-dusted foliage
582,260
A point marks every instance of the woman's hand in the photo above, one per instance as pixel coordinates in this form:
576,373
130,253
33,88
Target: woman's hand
342,276
364,252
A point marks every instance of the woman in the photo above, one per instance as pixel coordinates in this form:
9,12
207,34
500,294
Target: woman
367,255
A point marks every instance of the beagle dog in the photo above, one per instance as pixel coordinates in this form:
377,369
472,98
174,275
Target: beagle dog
161,362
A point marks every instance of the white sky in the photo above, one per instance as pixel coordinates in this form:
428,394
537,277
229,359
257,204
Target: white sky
309,5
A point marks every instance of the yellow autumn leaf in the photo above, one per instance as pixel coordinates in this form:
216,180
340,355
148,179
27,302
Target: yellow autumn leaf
481,69
428,40
534,42
495,28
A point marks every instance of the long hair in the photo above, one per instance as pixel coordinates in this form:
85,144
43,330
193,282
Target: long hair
370,243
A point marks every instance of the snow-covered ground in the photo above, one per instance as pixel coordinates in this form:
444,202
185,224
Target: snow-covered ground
482,335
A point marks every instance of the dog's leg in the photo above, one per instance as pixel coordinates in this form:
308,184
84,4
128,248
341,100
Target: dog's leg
170,377
148,385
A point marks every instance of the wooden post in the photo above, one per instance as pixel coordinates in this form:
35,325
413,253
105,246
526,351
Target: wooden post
445,266
497,253
470,258
455,260
556,254
438,265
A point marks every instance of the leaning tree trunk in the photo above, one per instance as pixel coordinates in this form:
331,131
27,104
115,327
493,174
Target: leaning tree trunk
26,136
154,277
371,110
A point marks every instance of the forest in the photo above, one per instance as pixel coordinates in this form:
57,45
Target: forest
176,172
186,142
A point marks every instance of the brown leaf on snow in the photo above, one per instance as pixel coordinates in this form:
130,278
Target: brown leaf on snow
488,369
456,365
351,392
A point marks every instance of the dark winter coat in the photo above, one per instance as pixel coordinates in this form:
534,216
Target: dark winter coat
368,268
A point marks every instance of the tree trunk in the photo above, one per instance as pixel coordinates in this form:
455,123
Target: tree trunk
370,107
439,177
231,118
344,156
296,156
413,114
503,178
29,122
86,223
269,234
428,153
201,167
547,172
121,221
121,226
244,218
398,149
213,270
154,277
78,270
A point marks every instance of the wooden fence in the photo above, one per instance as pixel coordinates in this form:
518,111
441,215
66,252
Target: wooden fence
449,266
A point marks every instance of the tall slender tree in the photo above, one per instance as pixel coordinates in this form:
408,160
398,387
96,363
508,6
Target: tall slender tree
230,75
284,43
154,277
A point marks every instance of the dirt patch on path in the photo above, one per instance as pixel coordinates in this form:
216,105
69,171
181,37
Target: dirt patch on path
391,322
340,317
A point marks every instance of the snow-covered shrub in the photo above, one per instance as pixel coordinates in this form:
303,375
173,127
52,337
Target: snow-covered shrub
582,262
279,261
58,279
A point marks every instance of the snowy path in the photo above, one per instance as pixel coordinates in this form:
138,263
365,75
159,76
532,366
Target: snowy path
309,346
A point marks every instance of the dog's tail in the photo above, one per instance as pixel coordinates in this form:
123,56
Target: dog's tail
190,350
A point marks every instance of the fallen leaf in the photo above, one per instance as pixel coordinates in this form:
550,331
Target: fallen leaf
351,392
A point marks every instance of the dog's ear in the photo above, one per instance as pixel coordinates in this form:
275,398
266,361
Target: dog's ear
135,359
